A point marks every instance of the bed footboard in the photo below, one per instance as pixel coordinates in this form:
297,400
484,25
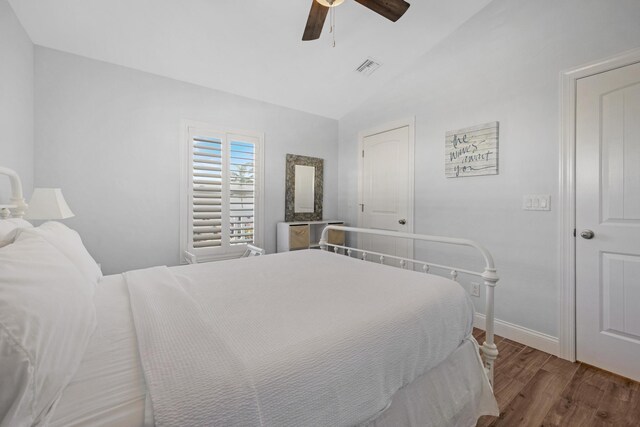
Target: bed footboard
489,351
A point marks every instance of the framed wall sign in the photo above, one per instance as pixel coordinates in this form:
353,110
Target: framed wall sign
472,151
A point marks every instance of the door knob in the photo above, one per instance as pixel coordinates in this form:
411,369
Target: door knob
402,221
587,234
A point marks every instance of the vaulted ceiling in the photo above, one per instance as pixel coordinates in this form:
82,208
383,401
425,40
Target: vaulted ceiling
248,47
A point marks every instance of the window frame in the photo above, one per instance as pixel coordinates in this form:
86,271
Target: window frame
189,254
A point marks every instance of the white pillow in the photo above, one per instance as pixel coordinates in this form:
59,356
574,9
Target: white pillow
70,244
46,319
9,229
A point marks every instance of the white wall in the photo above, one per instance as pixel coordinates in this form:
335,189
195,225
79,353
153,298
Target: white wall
16,101
504,64
109,137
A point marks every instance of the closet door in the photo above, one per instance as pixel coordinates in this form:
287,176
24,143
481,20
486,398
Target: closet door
608,220
386,191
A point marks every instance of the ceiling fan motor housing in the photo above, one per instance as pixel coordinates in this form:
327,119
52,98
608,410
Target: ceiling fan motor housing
390,9
330,3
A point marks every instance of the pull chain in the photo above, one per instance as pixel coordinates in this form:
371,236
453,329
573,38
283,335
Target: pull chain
332,19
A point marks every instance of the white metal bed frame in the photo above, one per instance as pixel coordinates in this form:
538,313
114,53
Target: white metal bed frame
18,208
18,205
489,351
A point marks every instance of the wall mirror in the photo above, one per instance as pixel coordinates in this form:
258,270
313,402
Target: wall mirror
304,179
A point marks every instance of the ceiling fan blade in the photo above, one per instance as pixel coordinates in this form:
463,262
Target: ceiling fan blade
317,16
390,9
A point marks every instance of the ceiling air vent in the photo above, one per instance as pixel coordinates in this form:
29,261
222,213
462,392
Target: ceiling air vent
368,67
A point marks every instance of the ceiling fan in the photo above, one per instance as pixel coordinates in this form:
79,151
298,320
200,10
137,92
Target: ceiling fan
390,9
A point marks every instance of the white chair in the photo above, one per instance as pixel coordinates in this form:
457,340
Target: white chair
253,251
250,251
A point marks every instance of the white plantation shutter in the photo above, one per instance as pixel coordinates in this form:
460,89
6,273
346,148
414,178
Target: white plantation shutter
222,201
242,192
207,196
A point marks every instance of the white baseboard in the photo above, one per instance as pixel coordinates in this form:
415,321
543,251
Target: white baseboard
528,337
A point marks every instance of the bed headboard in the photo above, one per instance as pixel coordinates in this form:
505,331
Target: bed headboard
18,206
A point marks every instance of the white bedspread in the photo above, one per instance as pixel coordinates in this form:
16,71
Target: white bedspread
108,390
295,339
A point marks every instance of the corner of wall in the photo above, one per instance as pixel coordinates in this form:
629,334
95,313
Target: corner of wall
17,104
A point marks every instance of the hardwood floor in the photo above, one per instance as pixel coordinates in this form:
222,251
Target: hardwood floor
536,389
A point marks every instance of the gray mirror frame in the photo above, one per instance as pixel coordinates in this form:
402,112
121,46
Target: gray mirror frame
289,211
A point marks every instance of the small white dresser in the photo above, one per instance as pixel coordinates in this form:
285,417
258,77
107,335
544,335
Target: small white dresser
292,236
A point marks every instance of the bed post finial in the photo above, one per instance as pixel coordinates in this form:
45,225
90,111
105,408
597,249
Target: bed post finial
489,349
19,207
323,243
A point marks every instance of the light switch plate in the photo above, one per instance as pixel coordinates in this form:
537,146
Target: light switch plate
536,202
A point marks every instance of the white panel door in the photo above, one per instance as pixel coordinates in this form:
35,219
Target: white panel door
386,190
608,220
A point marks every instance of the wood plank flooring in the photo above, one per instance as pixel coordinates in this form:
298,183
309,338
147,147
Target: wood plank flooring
534,388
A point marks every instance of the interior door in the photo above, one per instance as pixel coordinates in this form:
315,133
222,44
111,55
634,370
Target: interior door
386,191
608,220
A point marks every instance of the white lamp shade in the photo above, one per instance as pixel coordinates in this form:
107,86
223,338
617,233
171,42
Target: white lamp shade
48,203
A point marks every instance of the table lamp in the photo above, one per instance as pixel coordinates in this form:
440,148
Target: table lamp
47,204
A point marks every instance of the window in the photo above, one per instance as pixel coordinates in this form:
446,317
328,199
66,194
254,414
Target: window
222,193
